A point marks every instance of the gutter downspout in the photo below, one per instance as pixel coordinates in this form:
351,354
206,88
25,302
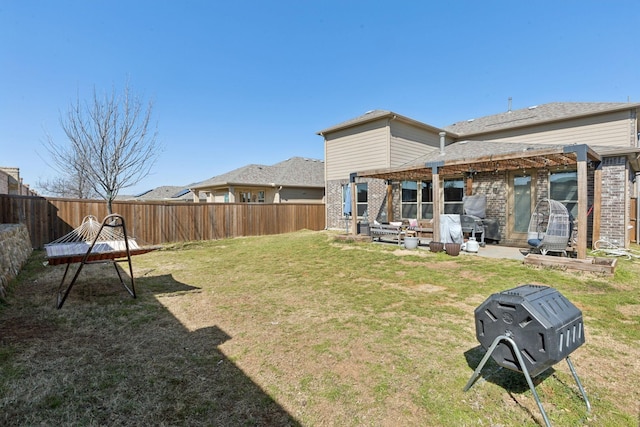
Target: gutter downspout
442,142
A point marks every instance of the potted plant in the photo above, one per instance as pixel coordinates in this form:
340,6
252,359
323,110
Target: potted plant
411,242
452,249
436,246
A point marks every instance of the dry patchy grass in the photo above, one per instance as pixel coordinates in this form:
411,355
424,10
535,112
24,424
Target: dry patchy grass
300,329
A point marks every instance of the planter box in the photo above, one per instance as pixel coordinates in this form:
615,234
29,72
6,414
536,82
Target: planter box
593,264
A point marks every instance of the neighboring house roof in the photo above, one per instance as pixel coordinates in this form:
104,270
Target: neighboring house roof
544,113
166,192
373,115
293,172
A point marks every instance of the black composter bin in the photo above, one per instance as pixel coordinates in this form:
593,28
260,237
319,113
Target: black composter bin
529,329
542,322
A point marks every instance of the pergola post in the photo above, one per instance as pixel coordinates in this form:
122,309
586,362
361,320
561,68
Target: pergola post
581,158
582,209
389,201
437,202
354,205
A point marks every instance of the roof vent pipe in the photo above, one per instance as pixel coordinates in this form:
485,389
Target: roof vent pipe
442,140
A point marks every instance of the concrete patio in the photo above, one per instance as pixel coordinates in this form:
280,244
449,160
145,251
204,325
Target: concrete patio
497,251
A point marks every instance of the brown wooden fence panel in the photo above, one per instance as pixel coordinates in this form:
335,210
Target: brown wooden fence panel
160,222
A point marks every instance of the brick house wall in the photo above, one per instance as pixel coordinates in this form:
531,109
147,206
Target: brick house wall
494,186
614,211
377,201
333,193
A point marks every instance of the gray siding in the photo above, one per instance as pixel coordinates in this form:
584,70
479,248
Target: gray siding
409,143
614,129
355,149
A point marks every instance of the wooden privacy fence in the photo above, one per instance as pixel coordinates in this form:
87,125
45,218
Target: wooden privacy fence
160,222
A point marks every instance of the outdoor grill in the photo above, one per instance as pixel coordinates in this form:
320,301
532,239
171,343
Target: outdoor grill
529,329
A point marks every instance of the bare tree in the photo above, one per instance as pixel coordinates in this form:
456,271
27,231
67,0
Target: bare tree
110,145
72,186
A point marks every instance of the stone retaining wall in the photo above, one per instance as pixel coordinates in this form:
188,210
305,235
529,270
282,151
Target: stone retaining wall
15,248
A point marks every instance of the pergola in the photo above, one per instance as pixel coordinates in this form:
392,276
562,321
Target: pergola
459,159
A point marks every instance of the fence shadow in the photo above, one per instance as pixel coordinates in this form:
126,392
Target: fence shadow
124,361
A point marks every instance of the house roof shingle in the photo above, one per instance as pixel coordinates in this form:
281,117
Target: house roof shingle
293,172
165,192
469,150
544,113
373,115
537,114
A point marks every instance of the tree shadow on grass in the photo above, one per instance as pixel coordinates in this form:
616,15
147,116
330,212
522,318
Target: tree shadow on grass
114,360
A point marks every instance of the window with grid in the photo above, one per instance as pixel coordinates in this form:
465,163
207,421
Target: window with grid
414,194
362,198
453,193
563,187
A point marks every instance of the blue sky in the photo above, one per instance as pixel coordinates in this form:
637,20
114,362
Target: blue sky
242,82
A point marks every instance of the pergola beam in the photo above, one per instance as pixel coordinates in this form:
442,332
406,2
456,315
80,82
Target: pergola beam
544,158
527,159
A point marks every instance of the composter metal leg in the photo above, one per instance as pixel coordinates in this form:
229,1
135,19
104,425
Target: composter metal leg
525,371
575,377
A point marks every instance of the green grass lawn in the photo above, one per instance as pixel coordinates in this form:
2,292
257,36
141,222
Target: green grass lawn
302,329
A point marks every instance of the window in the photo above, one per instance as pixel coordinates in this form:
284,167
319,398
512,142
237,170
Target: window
427,200
412,198
563,187
409,199
453,193
245,197
362,198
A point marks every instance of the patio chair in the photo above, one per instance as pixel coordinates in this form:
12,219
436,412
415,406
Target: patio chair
549,228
